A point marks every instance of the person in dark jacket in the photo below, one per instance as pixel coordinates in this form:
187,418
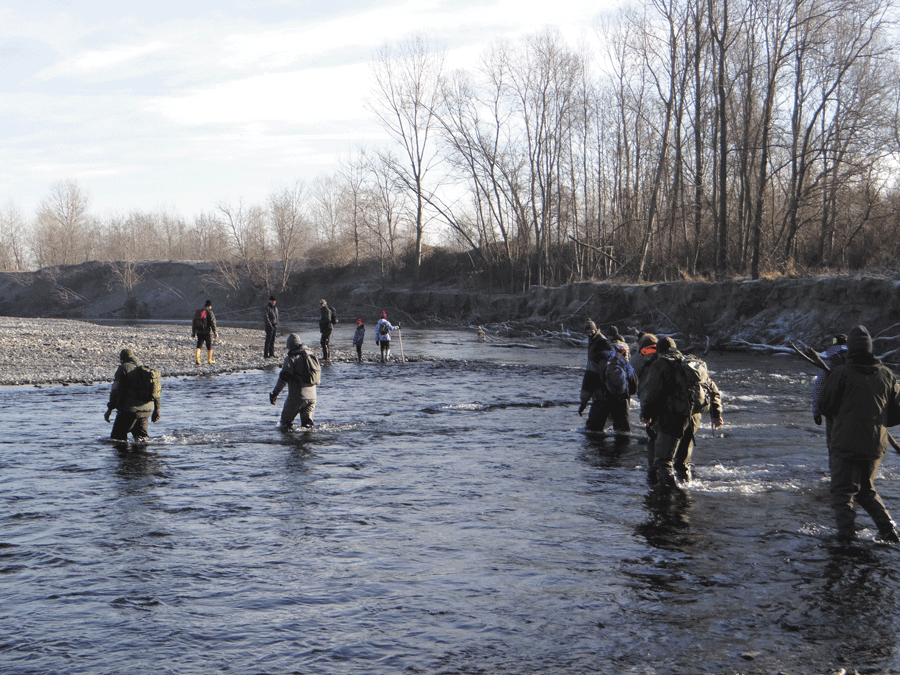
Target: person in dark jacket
206,334
132,415
301,391
675,427
327,319
644,355
270,319
604,383
862,397
358,338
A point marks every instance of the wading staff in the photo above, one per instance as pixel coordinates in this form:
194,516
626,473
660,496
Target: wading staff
400,340
812,356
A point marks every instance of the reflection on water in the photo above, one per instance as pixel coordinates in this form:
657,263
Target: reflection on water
445,516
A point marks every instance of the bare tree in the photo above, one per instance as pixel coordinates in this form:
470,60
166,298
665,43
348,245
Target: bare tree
62,234
12,238
408,84
290,227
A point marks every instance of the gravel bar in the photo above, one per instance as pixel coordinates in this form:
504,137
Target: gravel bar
65,351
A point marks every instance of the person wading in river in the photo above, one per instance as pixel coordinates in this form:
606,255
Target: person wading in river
604,384
643,357
301,373
270,320
327,319
677,390
134,398
862,397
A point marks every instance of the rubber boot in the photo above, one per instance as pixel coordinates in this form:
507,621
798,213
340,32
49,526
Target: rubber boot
387,355
209,358
198,357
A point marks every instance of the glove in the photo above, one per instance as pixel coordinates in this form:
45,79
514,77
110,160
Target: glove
272,398
581,408
155,416
817,419
108,413
398,326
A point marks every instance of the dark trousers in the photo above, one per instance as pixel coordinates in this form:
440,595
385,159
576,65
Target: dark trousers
126,422
600,411
204,339
852,479
672,452
385,349
269,347
324,342
295,405
359,352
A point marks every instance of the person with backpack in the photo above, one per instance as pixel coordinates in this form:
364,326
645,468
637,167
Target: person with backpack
862,397
135,396
204,329
605,384
383,336
270,319
301,372
327,319
676,391
358,338
644,355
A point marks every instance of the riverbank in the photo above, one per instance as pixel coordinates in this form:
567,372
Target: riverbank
66,351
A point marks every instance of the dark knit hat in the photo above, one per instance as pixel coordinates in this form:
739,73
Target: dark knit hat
272,298
614,333
125,355
665,344
590,325
859,340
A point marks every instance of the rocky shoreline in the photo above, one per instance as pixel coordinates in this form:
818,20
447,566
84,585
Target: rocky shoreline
66,351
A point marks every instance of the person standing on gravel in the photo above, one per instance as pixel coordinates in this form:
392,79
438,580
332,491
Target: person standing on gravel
383,336
136,404
327,319
270,317
204,329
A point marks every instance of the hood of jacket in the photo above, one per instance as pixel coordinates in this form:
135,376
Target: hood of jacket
294,344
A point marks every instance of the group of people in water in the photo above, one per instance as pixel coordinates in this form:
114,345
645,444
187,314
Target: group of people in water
855,395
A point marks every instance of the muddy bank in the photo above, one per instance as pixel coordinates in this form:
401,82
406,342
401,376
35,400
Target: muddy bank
726,314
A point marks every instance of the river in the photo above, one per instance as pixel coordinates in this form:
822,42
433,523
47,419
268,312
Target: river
445,517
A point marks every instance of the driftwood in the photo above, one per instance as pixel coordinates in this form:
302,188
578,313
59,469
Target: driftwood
810,355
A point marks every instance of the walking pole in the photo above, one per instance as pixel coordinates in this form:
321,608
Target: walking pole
400,339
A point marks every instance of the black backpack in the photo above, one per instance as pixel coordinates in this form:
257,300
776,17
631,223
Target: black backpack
201,321
383,328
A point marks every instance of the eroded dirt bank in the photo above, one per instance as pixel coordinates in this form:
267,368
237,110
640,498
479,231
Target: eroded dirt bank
727,313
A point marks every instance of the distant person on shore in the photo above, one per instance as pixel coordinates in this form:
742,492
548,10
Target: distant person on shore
270,318
327,319
835,355
358,338
383,336
676,391
204,329
862,397
135,396
301,372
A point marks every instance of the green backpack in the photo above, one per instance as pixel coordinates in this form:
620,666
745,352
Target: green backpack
145,384
690,392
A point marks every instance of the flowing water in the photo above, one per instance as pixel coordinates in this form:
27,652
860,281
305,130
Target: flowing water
443,517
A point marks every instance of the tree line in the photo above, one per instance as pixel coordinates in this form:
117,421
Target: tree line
699,139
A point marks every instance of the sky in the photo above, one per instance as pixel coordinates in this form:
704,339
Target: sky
177,106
